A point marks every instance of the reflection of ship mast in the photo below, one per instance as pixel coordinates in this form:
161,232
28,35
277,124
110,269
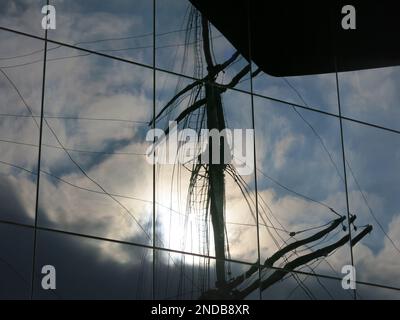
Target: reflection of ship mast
230,291
206,196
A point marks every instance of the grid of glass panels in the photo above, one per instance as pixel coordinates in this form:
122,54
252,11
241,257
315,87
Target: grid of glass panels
77,191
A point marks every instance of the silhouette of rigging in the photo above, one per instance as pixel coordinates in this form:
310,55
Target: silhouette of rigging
207,183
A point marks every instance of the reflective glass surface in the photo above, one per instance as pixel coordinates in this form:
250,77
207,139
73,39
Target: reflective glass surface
312,191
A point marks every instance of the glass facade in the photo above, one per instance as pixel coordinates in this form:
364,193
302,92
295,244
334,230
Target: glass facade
78,193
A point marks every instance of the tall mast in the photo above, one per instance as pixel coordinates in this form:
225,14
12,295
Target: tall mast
216,190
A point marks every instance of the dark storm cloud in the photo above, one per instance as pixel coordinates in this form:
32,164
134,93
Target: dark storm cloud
11,207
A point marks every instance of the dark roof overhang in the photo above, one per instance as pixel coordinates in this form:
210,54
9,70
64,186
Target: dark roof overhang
306,37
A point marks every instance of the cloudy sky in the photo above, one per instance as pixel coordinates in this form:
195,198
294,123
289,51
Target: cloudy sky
95,179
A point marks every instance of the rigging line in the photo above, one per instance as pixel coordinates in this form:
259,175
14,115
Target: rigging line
21,276
294,233
246,188
313,271
311,229
312,128
183,61
253,225
105,192
16,272
72,149
20,95
298,280
70,183
18,167
170,215
320,260
159,47
321,141
325,239
96,119
96,152
316,276
251,210
141,275
293,191
28,54
243,191
284,229
131,37
187,37
144,123
314,131
19,143
304,287
298,194
264,222
41,60
99,51
318,135
170,223
93,41
266,205
302,268
323,286
371,211
172,63
294,275
291,233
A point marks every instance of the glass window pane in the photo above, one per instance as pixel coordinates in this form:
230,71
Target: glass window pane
370,292
92,269
185,192
301,187
23,15
371,96
20,103
373,177
95,178
297,286
122,28
16,245
313,91
187,277
180,44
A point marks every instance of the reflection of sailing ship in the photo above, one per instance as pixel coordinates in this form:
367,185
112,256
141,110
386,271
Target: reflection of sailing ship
206,194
